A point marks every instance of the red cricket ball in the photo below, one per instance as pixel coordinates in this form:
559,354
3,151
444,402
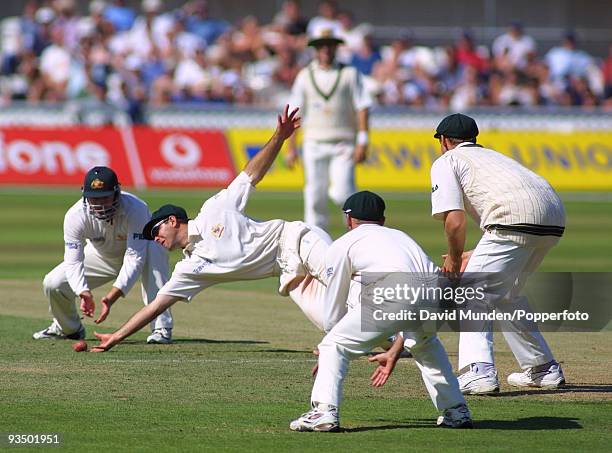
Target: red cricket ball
80,346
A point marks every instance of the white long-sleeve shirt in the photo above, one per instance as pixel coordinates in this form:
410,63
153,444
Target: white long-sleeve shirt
120,241
367,248
237,246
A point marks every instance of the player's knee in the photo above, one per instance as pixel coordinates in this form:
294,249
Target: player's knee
50,283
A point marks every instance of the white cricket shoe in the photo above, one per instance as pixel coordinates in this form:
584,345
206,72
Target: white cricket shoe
55,332
549,375
322,417
160,336
456,417
479,380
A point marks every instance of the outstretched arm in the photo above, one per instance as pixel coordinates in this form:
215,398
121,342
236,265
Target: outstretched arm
135,323
259,165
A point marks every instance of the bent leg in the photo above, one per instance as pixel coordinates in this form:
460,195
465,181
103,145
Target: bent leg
61,300
436,369
155,274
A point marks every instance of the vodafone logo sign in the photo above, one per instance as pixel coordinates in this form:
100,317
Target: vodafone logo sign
180,151
191,158
50,157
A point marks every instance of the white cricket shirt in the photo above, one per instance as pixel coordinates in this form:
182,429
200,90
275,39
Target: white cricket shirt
367,248
120,241
225,244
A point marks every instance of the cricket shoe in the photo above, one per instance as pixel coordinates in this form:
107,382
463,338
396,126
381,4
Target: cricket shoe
55,332
458,417
160,336
549,375
481,379
322,417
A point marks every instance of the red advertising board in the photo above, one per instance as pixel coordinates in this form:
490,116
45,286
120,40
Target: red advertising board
184,158
141,156
59,156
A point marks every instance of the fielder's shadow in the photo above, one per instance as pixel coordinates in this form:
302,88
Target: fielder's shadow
210,341
530,424
286,351
570,388
521,424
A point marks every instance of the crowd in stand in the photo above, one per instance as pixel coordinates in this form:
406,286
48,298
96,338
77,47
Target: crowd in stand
158,57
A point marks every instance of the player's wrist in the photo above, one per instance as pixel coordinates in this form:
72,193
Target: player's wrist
363,138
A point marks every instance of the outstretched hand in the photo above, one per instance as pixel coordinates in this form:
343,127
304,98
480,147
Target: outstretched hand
287,123
106,306
382,373
87,305
107,341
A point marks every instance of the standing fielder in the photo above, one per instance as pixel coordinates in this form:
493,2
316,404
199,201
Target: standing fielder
103,241
223,244
522,218
369,247
335,107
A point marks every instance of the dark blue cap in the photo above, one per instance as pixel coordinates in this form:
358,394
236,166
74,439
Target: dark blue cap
162,214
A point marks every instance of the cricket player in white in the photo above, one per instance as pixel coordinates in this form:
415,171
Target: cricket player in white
521,217
335,108
103,241
369,247
223,244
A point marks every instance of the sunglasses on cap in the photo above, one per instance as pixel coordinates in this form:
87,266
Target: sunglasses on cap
157,226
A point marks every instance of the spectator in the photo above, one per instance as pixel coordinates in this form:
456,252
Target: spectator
327,19
469,55
29,27
566,60
150,31
192,78
607,74
68,22
55,65
366,56
200,23
44,18
290,18
514,46
119,15
247,41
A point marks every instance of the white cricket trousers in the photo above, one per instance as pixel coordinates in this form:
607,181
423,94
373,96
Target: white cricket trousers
329,171
98,271
515,263
309,295
346,341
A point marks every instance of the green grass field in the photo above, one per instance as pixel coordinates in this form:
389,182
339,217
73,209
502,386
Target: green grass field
238,371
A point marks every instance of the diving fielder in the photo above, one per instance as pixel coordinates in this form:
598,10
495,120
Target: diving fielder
223,244
102,242
521,218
